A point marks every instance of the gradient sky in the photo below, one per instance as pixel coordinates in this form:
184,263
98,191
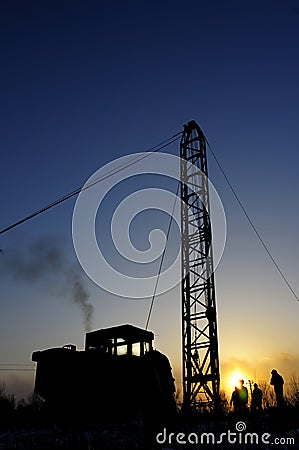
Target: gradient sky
86,82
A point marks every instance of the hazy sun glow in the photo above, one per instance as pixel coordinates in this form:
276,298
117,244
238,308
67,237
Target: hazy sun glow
234,380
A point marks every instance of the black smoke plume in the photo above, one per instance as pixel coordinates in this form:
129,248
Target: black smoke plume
80,297
44,261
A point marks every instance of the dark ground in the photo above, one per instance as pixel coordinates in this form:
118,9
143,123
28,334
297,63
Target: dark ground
134,435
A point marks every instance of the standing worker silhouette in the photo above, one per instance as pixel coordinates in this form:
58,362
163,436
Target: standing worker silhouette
256,398
277,382
235,400
243,396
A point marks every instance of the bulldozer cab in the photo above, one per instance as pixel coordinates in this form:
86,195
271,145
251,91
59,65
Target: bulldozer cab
120,341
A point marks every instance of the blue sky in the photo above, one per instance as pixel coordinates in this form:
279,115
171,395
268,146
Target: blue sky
84,83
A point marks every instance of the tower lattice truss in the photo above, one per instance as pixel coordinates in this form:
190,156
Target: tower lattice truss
199,323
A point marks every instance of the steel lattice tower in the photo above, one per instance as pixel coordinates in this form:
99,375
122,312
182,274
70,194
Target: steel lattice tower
199,322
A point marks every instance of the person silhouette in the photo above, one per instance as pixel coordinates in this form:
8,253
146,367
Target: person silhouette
235,399
256,398
277,382
243,396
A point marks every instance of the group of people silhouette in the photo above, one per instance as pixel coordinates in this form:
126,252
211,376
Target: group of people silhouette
239,398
